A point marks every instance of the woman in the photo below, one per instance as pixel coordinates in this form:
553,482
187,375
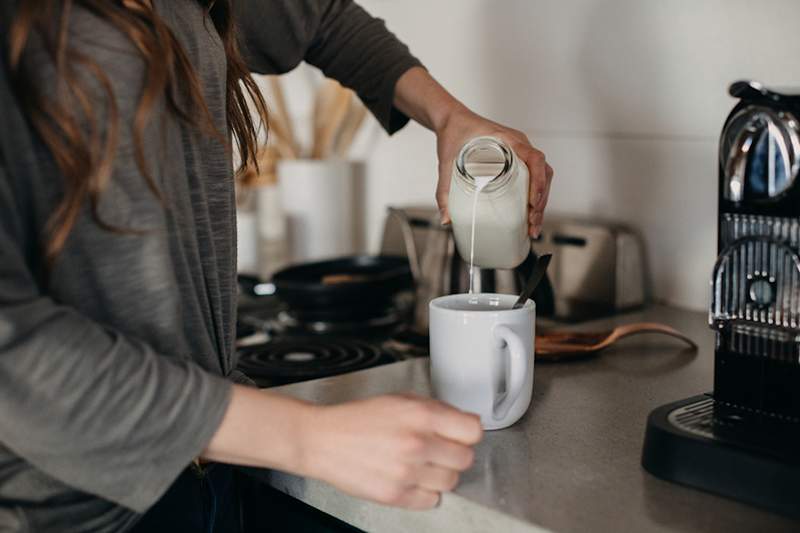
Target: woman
117,263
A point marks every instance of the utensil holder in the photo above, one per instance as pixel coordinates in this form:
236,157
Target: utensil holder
271,231
318,200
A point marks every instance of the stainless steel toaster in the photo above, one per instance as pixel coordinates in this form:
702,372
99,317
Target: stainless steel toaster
597,268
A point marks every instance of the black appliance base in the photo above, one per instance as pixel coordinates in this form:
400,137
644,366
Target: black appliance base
732,452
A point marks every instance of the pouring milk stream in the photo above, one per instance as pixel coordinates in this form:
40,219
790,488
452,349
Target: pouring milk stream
480,183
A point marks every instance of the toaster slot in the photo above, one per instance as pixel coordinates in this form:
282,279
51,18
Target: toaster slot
568,240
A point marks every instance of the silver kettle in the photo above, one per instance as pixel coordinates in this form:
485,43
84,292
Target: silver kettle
436,266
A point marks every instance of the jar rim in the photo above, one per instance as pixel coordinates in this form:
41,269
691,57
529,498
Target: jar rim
484,142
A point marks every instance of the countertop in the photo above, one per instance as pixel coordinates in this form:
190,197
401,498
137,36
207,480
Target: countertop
572,463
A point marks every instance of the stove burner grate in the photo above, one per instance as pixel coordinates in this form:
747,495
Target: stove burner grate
289,360
295,323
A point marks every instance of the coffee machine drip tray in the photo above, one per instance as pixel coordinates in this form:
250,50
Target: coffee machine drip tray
737,453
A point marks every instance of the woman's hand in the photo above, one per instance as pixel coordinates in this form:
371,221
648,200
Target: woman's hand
397,450
460,126
419,96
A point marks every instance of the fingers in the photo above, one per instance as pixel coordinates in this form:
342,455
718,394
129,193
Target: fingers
542,200
444,420
537,170
418,499
443,191
541,175
537,211
448,454
424,488
456,425
436,478
409,449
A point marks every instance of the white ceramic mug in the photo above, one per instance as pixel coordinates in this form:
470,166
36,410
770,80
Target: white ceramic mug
482,355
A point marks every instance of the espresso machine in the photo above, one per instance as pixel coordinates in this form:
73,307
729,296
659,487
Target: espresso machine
743,439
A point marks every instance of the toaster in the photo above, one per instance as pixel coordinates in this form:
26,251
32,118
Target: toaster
598,267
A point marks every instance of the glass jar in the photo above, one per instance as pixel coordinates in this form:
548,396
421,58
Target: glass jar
500,210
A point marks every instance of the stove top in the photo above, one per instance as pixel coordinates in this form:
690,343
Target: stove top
289,360
328,323
276,346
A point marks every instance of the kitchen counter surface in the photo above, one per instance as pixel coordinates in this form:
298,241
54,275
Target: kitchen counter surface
571,464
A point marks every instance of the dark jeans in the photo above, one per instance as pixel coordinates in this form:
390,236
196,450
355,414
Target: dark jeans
224,499
197,502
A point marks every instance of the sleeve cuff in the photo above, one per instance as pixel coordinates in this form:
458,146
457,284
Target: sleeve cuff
194,435
391,118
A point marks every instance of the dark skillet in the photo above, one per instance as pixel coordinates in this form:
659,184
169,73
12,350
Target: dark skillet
360,281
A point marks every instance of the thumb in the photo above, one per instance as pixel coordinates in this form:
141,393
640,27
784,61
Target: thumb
443,192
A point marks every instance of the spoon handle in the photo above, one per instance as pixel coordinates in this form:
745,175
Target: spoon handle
533,281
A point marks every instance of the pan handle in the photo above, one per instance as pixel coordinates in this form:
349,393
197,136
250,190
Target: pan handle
408,239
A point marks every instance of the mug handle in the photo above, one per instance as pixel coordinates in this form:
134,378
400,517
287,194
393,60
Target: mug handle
518,369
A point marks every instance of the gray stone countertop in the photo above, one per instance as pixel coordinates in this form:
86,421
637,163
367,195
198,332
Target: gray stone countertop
572,463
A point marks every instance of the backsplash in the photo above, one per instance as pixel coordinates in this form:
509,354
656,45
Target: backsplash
626,98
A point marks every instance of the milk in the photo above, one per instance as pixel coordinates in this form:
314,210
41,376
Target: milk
480,183
488,203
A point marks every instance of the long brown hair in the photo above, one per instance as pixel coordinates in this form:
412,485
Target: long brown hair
85,154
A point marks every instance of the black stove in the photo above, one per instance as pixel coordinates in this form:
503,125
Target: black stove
338,321
291,359
277,345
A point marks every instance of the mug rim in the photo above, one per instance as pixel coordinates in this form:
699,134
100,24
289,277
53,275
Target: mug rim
530,305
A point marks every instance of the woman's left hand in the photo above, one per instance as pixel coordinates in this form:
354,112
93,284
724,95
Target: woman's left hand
462,125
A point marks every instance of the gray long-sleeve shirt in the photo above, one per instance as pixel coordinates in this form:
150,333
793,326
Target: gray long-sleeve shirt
115,365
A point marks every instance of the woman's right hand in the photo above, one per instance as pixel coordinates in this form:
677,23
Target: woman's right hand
400,450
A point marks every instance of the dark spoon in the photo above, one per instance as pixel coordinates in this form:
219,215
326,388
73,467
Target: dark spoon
533,281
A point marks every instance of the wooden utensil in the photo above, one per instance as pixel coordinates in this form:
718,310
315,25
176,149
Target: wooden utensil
280,137
560,345
267,158
350,126
323,102
282,119
332,121
336,279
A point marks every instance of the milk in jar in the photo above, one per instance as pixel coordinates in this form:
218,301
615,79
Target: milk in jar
488,204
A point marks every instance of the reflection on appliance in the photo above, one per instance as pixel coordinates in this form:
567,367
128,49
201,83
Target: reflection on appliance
742,441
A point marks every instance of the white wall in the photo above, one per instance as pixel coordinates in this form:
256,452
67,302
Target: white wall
626,98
